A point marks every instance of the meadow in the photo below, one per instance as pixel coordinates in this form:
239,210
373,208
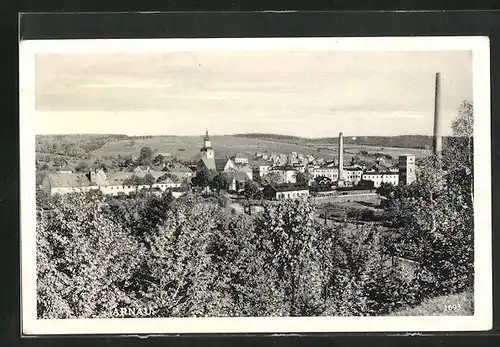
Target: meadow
187,147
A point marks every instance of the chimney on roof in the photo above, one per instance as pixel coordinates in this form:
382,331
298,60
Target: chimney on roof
437,138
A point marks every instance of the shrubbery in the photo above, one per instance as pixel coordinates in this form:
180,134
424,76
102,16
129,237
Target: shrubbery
188,257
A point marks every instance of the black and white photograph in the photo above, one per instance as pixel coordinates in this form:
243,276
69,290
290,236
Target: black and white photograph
255,185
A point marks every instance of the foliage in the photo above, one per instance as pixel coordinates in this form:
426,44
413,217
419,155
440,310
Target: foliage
135,180
303,178
272,178
221,181
145,156
84,260
386,190
73,145
158,160
81,167
435,217
252,190
202,177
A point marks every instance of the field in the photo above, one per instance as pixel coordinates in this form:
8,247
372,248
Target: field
187,147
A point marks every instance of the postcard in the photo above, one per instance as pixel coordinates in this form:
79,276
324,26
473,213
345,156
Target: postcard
255,185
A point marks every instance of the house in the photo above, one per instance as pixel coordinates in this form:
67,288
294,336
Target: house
353,174
287,173
224,164
65,170
114,184
237,180
332,172
247,170
63,183
239,158
166,182
285,191
179,170
381,177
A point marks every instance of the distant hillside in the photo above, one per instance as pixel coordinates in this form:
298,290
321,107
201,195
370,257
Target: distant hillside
271,137
400,141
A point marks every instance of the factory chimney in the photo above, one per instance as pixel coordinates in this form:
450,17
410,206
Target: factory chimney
437,139
341,157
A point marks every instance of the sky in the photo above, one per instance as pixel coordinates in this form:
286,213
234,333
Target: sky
301,93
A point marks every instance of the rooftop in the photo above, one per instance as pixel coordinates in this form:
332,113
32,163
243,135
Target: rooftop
69,180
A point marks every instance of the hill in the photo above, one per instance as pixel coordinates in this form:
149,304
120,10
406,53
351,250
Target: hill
186,148
400,141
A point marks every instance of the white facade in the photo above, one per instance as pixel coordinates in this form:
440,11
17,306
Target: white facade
292,194
330,172
353,176
407,169
378,178
288,176
263,170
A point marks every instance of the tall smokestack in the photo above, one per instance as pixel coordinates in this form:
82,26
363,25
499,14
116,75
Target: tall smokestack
437,139
341,156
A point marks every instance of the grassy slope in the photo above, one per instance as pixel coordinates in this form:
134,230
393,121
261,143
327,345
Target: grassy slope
186,147
436,306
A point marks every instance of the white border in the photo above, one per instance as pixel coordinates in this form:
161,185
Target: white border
482,318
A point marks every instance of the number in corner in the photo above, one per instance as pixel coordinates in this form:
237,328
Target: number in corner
452,308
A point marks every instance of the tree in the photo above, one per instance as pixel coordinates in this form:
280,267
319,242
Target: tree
221,181
463,125
202,177
158,159
179,276
99,164
82,166
84,260
303,178
386,190
288,241
272,178
149,179
357,276
145,156
252,190
435,215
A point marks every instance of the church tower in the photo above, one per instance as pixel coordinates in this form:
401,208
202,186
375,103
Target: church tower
207,151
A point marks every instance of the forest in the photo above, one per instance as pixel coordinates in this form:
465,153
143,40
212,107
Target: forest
192,257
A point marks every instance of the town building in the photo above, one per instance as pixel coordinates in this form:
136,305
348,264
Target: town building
325,171
287,173
179,170
285,191
114,184
353,174
381,177
407,169
237,181
239,158
261,168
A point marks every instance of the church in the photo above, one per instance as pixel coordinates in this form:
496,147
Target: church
239,173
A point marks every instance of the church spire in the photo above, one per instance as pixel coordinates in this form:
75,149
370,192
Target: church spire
207,150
